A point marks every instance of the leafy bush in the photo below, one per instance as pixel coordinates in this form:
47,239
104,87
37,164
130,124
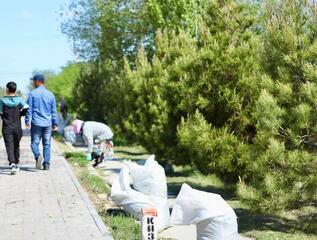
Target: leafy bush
213,102
283,155
213,150
62,85
232,92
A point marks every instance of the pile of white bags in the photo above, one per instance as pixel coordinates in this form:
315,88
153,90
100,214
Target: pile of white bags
149,190
213,217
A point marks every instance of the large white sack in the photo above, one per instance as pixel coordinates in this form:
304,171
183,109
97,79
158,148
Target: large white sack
69,134
220,228
213,216
123,195
149,178
149,182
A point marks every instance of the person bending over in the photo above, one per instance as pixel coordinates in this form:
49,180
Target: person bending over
92,131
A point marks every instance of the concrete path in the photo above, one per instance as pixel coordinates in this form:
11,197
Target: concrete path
51,205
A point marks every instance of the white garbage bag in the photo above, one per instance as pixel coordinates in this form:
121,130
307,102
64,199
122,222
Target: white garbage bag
213,216
123,195
69,134
149,179
150,190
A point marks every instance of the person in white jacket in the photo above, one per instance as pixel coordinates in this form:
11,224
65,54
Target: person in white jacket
92,131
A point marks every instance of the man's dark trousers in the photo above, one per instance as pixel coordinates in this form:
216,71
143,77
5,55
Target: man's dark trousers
12,138
12,132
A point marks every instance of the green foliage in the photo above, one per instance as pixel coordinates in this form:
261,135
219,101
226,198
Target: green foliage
188,74
283,161
80,25
109,30
174,15
89,86
213,150
105,30
227,86
62,84
100,94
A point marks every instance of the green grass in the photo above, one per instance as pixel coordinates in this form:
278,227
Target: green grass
135,153
122,226
209,183
273,235
94,183
76,158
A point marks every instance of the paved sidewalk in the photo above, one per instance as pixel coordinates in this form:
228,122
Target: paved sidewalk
51,205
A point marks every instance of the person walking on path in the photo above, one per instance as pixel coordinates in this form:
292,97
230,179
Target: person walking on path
41,118
64,118
92,131
12,108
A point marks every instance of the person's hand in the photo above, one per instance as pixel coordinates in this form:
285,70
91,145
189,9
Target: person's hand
55,128
28,126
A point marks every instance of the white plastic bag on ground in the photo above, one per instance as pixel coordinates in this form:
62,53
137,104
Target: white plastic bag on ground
149,179
213,216
150,190
69,134
123,195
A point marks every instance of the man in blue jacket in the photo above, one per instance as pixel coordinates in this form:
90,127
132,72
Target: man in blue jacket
41,118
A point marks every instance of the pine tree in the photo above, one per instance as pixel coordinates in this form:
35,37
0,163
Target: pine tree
285,114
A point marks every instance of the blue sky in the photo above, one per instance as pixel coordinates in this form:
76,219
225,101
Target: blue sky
31,39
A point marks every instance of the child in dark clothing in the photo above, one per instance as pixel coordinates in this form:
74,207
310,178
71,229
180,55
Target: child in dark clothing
12,108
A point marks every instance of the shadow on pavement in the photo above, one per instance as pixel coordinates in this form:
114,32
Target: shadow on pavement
7,170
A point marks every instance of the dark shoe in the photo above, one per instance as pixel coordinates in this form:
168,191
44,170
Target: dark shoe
38,164
46,167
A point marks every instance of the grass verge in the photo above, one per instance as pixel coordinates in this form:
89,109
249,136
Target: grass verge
94,183
76,159
122,226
